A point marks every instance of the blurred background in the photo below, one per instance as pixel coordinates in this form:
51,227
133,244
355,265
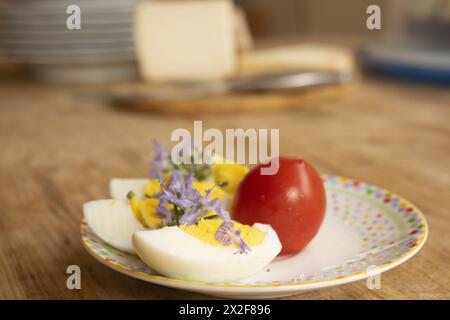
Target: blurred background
112,45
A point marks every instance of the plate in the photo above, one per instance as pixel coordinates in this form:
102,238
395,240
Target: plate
366,231
408,63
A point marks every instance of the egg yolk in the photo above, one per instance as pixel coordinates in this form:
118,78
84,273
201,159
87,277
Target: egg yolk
230,175
206,229
152,187
151,217
145,209
216,192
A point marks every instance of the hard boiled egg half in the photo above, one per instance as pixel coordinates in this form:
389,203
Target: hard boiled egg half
115,220
193,252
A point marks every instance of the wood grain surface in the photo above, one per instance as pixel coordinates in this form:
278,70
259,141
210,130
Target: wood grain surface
61,145
231,103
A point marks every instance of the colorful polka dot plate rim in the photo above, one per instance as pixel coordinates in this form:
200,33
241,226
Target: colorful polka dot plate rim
367,230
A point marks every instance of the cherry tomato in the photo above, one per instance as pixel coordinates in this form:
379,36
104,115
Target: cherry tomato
292,201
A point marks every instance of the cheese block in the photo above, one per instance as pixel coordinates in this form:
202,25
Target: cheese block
244,37
185,40
296,58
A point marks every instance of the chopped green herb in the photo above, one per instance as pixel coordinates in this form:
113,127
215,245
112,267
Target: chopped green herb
214,216
130,194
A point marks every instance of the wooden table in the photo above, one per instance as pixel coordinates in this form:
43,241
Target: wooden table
61,145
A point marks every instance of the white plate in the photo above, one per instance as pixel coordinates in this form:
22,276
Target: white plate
367,230
33,7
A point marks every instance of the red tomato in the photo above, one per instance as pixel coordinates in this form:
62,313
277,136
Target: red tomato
292,201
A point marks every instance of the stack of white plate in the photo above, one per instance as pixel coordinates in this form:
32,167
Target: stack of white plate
34,33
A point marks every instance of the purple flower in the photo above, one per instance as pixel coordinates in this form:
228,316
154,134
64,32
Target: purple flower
188,203
164,211
161,162
204,205
227,236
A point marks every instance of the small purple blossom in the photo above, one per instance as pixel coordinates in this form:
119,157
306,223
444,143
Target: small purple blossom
161,162
227,236
204,205
188,203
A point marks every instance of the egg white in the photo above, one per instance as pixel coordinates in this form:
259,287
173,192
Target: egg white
113,221
119,188
174,253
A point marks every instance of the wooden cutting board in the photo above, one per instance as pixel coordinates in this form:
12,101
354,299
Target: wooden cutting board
231,102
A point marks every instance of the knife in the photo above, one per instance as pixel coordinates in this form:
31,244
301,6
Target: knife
279,82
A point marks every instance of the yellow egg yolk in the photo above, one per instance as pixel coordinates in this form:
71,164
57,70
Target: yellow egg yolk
152,187
145,209
216,192
135,205
230,175
206,229
151,217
